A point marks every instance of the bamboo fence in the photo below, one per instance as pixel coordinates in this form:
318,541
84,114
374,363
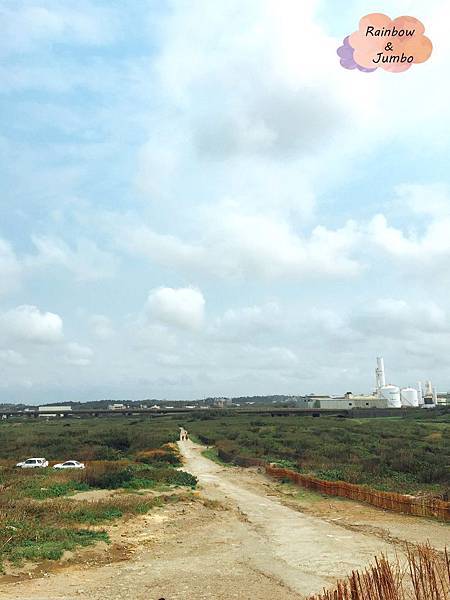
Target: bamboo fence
412,505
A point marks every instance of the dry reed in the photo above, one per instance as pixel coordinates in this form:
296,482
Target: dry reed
423,575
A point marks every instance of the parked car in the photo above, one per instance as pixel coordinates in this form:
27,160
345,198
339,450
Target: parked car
69,464
33,463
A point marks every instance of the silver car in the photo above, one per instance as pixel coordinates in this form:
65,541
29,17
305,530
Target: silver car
69,464
33,463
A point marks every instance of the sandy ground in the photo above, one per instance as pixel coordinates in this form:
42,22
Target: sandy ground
242,536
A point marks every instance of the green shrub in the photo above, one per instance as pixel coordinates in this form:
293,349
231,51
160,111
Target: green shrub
183,478
408,455
39,542
92,515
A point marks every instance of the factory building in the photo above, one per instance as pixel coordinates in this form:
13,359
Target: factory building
53,411
353,401
386,395
222,402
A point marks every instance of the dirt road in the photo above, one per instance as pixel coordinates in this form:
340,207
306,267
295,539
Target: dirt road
240,537
303,551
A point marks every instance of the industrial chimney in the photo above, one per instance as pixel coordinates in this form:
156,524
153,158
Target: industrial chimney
379,373
420,389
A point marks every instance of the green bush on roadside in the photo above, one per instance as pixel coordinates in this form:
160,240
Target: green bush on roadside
50,543
34,530
406,455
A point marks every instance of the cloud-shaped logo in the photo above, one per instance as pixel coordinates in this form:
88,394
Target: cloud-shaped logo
346,53
380,42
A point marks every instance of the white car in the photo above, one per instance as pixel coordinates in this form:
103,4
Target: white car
33,463
69,464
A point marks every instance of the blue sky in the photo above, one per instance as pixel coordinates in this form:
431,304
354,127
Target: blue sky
197,200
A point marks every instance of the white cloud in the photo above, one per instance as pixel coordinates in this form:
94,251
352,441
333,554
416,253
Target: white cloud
27,323
101,327
78,355
252,112
11,358
430,249
328,324
232,244
251,357
430,199
10,268
248,323
139,239
414,234
386,318
86,261
155,336
180,307
268,247
400,319
27,26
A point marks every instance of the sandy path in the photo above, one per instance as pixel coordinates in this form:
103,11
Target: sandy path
303,551
259,545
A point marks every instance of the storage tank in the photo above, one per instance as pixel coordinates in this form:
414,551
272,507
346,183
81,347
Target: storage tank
391,393
409,397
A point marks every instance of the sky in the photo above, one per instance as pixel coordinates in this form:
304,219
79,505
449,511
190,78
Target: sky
197,200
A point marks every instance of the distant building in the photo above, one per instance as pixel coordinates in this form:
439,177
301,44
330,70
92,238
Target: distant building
223,402
53,411
351,401
305,401
443,399
117,406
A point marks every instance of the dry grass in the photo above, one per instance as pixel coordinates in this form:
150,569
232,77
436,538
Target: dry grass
423,575
213,504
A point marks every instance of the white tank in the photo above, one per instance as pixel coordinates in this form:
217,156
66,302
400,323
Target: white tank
409,397
391,393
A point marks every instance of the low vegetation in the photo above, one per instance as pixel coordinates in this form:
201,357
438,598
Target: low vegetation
84,439
213,454
38,517
48,483
33,530
398,454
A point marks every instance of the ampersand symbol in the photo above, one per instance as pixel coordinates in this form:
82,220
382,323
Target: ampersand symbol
389,46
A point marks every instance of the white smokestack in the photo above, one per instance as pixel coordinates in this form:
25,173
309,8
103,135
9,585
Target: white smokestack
435,397
419,387
379,373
